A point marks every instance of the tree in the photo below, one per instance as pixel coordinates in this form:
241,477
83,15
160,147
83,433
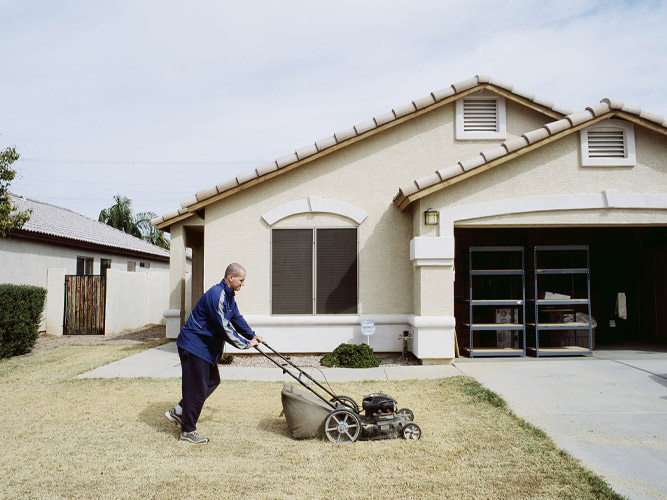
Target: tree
149,232
10,217
119,215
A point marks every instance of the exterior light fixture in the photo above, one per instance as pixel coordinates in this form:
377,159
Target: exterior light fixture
431,217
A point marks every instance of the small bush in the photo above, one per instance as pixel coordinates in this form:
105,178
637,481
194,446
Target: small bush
21,309
226,359
351,356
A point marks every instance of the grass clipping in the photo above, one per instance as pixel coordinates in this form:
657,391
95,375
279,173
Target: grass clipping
87,438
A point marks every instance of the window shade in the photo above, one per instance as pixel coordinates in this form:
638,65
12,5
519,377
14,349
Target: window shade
292,271
336,271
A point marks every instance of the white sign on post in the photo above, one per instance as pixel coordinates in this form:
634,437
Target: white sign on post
368,329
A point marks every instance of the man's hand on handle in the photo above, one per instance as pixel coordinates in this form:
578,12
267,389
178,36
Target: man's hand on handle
256,340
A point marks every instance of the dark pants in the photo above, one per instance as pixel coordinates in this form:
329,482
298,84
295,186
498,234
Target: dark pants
200,378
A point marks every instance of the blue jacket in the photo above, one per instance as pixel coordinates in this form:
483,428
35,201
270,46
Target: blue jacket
214,320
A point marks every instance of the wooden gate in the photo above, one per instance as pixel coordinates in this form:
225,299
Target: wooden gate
85,305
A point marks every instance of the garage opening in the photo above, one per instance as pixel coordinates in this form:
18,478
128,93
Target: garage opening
625,262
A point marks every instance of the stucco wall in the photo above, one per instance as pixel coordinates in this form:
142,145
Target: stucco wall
365,175
26,262
555,170
134,299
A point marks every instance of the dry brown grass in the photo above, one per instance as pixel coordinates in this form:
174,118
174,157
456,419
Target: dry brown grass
85,438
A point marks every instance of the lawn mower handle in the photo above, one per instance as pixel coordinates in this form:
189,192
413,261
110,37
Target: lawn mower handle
301,373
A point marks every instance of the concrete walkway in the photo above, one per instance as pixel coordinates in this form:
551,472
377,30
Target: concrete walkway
609,411
163,362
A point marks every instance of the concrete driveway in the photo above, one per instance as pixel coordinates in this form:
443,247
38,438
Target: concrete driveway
609,411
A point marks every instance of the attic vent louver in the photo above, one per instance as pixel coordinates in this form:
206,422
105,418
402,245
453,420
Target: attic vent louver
610,143
606,144
480,115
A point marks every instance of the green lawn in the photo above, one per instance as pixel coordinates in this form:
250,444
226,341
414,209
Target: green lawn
85,438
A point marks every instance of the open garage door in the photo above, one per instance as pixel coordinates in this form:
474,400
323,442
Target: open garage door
628,274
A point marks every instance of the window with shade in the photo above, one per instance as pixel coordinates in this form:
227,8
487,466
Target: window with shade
314,271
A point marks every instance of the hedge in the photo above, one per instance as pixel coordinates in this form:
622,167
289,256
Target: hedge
21,309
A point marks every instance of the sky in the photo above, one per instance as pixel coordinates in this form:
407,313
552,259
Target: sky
157,99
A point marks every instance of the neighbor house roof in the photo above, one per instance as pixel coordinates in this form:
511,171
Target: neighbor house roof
49,222
349,136
608,108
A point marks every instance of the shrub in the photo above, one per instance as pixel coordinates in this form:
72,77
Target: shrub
351,356
226,359
21,309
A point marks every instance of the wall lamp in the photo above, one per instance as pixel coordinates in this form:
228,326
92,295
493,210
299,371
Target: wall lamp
431,217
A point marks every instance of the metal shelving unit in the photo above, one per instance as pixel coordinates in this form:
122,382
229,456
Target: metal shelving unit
484,305
553,267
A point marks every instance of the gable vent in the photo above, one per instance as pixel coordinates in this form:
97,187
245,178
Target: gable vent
480,115
606,144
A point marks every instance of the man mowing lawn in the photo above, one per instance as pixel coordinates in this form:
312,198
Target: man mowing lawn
214,320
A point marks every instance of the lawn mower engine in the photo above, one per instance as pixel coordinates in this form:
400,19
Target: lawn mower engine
382,420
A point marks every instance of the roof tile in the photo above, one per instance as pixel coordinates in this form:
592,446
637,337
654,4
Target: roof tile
483,79
652,117
283,161
189,201
515,144
536,135
267,168
581,117
494,153
524,93
325,143
503,85
558,126
464,85
547,103
247,176
365,127
449,172
473,162
613,103
423,102
441,94
404,110
409,189
224,186
428,180
384,118
206,193
305,152
635,110
599,109
344,135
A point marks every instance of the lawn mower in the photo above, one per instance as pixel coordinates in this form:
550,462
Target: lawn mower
339,417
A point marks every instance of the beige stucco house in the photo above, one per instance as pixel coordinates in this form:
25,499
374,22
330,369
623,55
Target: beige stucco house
336,232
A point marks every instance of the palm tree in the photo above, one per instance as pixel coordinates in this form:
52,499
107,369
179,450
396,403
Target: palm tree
119,215
149,232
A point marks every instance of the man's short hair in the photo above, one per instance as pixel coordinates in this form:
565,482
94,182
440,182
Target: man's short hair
235,269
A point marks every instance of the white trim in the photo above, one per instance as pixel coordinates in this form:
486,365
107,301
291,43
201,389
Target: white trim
500,133
431,251
630,158
314,204
607,199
